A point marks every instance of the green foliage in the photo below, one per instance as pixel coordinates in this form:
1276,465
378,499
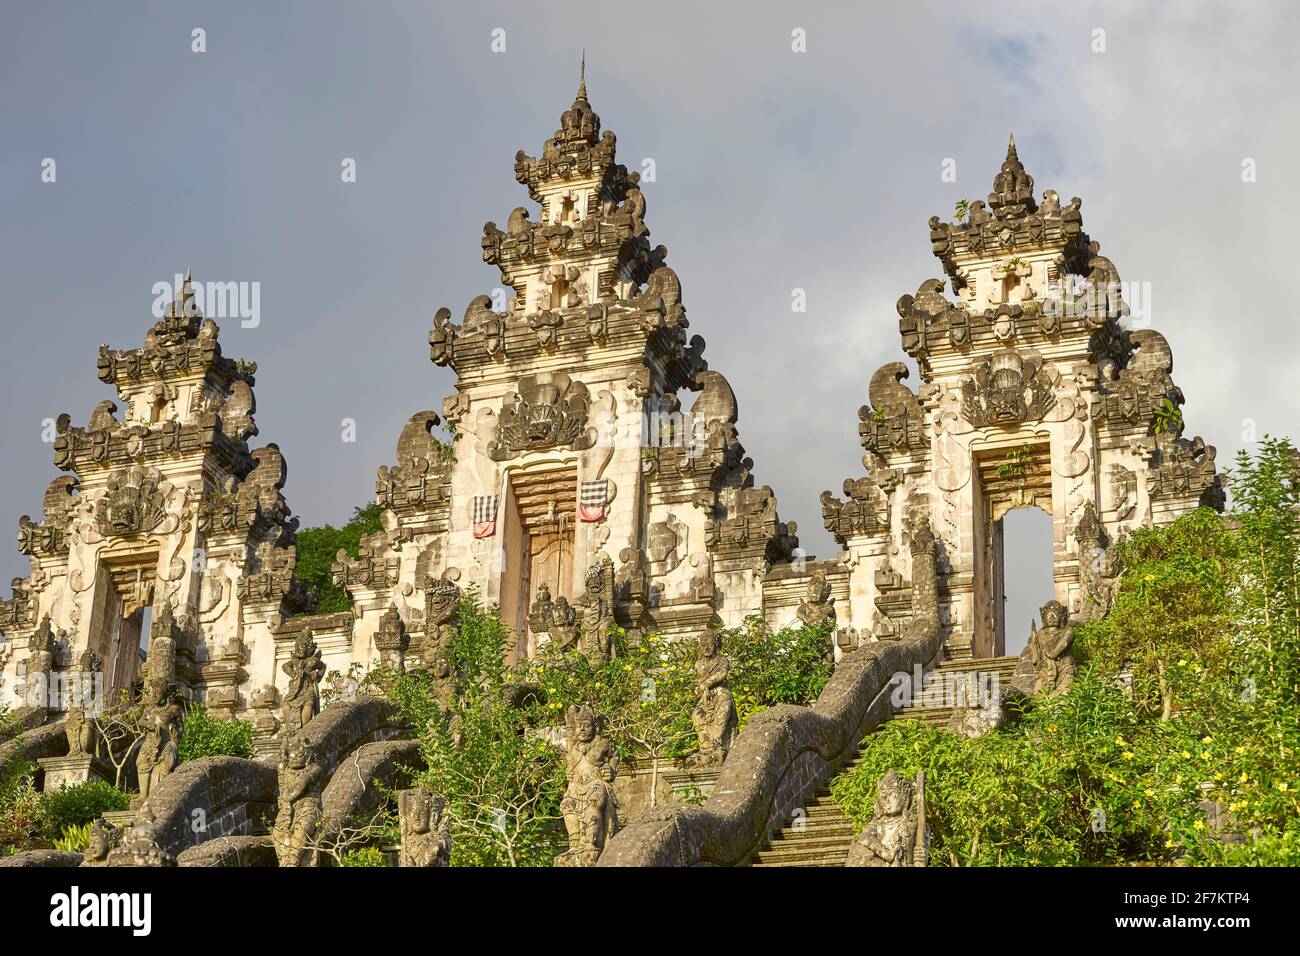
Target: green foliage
1188,695
501,780
1167,417
74,839
364,856
961,209
787,666
202,735
80,804
22,809
318,549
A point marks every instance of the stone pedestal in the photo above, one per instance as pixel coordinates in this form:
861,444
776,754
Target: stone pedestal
69,771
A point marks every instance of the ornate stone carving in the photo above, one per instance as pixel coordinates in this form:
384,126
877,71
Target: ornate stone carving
897,834
865,512
1046,664
589,806
598,609
426,834
545,413
818,608
298,815
1007,388
159,750
553,620
714,716
136,501
895,418
391,640
305,670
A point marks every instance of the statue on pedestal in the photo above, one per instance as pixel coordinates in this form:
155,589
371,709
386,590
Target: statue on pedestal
159,749
714,716
1046,664
302,698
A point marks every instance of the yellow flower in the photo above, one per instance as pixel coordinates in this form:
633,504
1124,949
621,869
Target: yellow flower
1207,740
1051,728
1186,755
1206,755
1199,825
1149,792
1120,740
1128,755
1282,786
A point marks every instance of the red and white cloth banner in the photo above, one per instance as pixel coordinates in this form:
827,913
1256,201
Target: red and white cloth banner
485,516
593,497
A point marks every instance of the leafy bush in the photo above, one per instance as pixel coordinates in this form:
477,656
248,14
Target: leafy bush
74,839
787,666
318,549
364,856
23,812
80,804
202,735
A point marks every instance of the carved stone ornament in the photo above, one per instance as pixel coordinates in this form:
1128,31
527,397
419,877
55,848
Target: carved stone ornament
589,807
714,716
543,414
135,502
1007,388
896,835
425,831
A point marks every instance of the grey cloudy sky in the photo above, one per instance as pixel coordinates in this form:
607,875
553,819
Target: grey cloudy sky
774,170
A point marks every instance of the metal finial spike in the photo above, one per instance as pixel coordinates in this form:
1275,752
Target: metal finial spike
582,77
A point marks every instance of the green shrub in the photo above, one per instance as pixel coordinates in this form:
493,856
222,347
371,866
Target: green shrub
318,549
23,815
202,735
80,804
364,856
74,839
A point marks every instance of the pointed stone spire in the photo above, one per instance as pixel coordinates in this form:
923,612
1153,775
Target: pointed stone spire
582,78
1013,188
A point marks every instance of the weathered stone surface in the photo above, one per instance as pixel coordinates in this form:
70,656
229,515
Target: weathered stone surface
41,858
215,790
230,851
362,781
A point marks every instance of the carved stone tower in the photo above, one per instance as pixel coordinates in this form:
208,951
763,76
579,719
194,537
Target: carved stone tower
1033,392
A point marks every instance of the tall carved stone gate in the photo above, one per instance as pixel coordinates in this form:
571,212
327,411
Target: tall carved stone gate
1033,392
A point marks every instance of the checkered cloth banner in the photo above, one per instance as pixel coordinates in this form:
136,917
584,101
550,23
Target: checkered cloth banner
485,516
593,496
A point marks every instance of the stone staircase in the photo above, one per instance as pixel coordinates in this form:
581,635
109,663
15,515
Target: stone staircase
822,836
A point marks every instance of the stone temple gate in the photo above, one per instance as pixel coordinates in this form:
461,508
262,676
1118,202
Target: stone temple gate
575,490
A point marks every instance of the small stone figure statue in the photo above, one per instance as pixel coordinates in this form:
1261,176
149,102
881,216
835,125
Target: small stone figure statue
714,716
302,698
79,728
598,610
1046,664
589,806
896,834
426,835
298,816
159,753
140,845
818,610
104,838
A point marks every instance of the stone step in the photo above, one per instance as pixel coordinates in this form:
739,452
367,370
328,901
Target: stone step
802,844
816,829
804,858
